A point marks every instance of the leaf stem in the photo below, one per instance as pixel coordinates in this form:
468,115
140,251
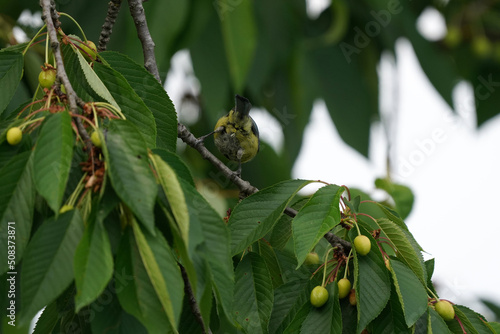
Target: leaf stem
347,263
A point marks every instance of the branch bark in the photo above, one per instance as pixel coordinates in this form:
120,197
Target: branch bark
51,19
148,46
192,300
109,22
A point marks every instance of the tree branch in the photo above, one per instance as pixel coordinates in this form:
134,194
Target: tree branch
192,300
109,22
51,19
148,46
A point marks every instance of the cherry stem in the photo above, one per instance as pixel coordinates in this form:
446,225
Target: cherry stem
433,295
357,227
347,263
84,119
29,105
39,33
74,21
31,121
324,269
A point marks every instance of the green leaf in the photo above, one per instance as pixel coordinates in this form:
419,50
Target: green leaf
412,294
48,262
173,190
298,320
11,72
454,325
174,161
167,23
109,317
282,232
211,67
18,48
401,194
393,216
437,323
325,319
47,320
209,234
53,155
152,94
269,256
495,326
132,106
423,324
128,168
135,290
437,65
154,262
487,96
17,199
78,79
288,301
239,32
315,219
371,282
477,321
93,80
401,240
256,215
93,264
253,297
392,319
336,74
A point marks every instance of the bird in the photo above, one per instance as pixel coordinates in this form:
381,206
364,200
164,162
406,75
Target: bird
236,134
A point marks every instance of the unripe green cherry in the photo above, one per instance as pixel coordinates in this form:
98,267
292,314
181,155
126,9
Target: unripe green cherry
453,36
481,46
319,296
47,77
94,137
89,49
445,310
311,258
14,135
362,244
344,287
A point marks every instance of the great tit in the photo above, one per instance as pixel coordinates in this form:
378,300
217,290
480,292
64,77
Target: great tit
236,135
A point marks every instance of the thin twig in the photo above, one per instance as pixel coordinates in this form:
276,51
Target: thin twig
109,22
52,20
148,46
336,241
192,300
